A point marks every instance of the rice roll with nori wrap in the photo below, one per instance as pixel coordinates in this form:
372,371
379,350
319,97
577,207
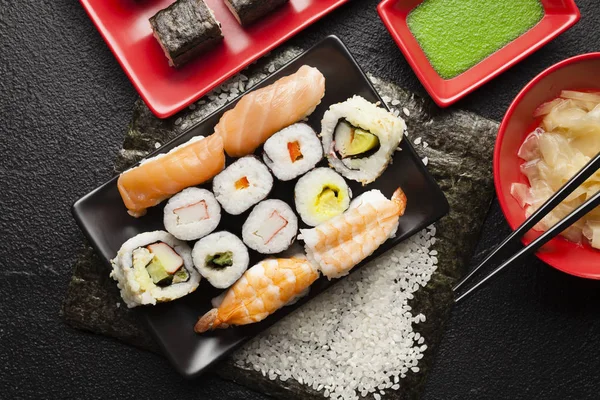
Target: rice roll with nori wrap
248,11
154,267
360,138
192,214
292,151
271,227
321,195
185,29
242,184
221,258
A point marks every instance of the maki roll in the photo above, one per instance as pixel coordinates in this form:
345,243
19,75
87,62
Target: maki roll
185,29
192,214
359,138
321,195
221,258
154,267
271,227
243,184
248,11
293,151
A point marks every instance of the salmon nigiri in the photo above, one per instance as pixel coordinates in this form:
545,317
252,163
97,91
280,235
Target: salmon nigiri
262,290
160,177
339,244
262,112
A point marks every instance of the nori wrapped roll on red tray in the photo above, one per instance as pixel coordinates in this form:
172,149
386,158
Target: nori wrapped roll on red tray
248,11
185,29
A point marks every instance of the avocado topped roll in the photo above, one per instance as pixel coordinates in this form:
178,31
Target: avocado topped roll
248,11
185,29
360,138
154,267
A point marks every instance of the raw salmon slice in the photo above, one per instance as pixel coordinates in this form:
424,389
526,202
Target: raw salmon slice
160,177
261,113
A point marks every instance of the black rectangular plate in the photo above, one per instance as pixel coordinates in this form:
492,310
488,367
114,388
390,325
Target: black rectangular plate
104,219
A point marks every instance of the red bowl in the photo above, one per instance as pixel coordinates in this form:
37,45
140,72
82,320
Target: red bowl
559,15
580,72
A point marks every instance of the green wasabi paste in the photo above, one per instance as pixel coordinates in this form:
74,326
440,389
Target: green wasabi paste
457,34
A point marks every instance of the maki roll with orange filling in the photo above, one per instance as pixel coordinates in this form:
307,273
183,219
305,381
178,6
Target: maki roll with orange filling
248,11
185,29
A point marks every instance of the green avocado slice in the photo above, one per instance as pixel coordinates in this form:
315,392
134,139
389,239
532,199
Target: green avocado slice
158,273
362,142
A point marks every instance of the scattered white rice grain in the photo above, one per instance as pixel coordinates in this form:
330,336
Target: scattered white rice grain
395,102
406,112
425,145
156,145
271,69
386,99
178,121
357,338
425,160
415,369
377,396
118,305
418,140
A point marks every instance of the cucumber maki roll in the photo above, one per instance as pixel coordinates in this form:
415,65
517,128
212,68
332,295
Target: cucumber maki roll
185,29
154,267
360,138
221,258
248,11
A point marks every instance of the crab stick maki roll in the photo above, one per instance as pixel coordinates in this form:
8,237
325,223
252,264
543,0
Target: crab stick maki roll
154,267
262,112
192,214
242,184
271,227
339,244
262,290
293,151
160,177
360,138
221,258
321,195
248,11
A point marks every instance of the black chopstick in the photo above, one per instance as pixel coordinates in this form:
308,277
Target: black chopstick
549,205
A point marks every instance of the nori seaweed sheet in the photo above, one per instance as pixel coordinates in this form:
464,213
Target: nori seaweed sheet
459,154
248,11
185,29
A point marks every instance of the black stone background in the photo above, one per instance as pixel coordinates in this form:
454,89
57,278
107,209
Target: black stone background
64,107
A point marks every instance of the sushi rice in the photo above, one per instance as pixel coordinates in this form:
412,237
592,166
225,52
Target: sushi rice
271,227
243,184
293,151
192,214
360,138
221,258
130,270
321,195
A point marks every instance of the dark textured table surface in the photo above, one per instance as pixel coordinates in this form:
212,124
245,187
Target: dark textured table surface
65,104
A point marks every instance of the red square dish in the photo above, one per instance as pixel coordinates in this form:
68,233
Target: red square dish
559,15
166,90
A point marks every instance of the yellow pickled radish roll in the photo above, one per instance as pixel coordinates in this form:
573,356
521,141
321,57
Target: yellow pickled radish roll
262,290
321,195
339,244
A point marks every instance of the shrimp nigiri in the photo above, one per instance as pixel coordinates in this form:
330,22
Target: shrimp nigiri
160,177
261,113
339,244
262,290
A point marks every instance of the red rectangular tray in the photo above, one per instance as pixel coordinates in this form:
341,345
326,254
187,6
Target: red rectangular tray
559,15
166,90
